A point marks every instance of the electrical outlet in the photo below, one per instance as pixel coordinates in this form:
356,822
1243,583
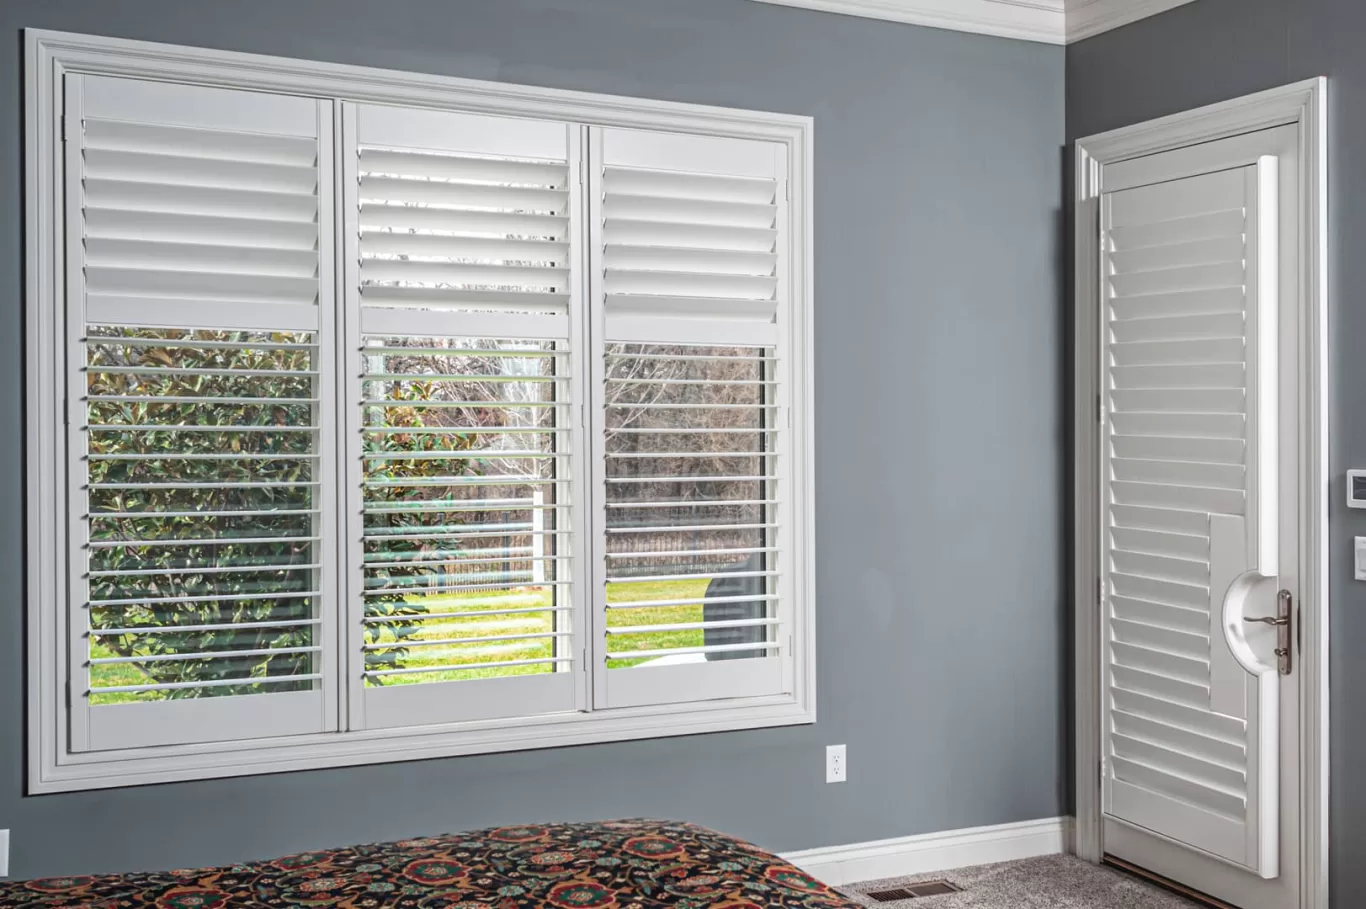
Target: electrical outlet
836,764
4,853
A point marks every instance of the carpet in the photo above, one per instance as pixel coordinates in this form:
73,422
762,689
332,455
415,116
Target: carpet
1048,882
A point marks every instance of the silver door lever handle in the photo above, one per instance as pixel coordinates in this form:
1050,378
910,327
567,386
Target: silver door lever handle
1281,622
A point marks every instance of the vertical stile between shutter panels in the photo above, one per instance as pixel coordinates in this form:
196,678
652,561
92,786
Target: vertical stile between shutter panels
462,440
202,583
1190,477
688,258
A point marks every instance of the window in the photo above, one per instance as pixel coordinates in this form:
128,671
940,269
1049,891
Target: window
377,417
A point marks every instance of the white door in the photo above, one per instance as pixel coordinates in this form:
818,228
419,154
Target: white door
1200,551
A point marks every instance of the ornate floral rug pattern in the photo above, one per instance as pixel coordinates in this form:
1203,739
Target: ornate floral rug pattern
632,864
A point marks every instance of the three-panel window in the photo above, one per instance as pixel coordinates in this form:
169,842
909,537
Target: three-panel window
483,430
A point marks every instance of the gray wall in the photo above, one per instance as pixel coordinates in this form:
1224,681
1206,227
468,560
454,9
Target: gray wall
1209,51
937,323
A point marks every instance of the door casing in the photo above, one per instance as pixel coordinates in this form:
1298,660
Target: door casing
1303,104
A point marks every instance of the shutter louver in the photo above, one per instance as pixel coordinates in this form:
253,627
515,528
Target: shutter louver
201,496
1191,508
464,225
690,238
465,460
195,224
691,446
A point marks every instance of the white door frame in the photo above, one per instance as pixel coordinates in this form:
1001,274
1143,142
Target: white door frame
1304,104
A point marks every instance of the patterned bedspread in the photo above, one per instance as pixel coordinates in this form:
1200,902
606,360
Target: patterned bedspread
635,864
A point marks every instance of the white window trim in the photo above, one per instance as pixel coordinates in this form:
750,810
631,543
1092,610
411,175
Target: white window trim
49,56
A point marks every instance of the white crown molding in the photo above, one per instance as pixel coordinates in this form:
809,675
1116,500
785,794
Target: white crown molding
1091,17
1046,21
928,852
1030,20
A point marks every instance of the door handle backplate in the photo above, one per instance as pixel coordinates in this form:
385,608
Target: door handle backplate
1285,604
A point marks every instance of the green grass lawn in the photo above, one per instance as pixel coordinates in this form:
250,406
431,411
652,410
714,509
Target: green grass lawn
456,628
530,623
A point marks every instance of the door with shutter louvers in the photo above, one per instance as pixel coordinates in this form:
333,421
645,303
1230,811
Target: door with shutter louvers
463,435
1200,493
201,495
690,444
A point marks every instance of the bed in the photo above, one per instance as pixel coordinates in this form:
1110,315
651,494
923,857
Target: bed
609,865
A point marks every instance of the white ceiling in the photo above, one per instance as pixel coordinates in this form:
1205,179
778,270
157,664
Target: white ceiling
1049,21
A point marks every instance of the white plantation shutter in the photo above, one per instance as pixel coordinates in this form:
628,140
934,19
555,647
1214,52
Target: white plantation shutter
1191,481
691,321
464,438
200,487
362,431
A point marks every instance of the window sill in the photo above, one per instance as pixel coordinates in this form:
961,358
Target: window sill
139,767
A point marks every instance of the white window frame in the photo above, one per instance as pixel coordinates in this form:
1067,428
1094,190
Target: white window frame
53,767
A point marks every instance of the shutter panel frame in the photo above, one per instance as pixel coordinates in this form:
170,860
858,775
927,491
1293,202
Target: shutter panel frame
436,145
1212,419
165,111
745,172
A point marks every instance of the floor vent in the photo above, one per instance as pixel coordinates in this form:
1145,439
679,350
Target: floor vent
911,891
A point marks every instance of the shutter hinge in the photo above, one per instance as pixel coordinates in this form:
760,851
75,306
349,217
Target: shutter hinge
1100,591
63,127
789,417
1100,779
1100,409
68,695
66,411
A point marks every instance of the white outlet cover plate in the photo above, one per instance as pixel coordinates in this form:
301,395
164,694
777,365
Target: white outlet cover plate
836,764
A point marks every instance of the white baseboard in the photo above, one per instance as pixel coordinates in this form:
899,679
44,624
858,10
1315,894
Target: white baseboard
927,852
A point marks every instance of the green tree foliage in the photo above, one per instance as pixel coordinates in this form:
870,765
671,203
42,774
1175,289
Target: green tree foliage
457,406
224,519
388,562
